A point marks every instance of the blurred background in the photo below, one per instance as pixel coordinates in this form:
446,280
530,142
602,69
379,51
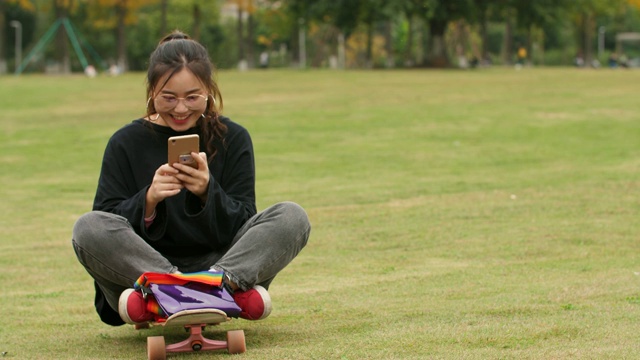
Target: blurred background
114,36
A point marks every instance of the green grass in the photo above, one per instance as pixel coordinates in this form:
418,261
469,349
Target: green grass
485,214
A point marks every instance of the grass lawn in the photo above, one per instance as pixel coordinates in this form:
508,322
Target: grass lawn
488,214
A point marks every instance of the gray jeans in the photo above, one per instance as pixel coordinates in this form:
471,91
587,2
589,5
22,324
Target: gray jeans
115,256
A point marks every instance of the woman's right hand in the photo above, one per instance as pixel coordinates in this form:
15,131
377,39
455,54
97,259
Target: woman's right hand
164,185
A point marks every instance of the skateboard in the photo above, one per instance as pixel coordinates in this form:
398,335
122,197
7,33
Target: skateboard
194,321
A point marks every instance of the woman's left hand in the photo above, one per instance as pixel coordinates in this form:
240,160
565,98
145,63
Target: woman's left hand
195,180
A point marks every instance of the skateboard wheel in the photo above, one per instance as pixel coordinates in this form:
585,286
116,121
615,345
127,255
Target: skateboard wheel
235,342
155,348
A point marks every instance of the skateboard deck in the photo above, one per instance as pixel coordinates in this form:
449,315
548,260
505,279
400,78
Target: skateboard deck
195,321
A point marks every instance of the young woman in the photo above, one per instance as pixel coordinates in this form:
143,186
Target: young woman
151,216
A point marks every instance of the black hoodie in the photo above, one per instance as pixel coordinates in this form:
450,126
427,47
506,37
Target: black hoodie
182,226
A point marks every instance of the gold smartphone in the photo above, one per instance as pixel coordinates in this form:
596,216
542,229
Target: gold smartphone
181,147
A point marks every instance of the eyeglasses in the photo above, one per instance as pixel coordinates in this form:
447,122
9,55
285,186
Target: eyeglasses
192,102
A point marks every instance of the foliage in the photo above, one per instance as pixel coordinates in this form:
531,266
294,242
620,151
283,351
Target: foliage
26,5
420,31
27,18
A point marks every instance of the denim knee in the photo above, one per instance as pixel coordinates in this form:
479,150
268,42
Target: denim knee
295,219
88,227
82,229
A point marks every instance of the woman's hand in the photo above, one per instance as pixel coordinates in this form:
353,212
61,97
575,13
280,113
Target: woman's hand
164,184
195,180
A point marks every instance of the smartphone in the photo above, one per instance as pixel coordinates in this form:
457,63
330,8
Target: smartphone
181,147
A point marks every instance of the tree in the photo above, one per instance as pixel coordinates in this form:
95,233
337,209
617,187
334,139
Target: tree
245,43
3,21
273,25
584,13
121,40
379,11
250,38
482,17
144,27
538,14
4,7
164,4
411,10
344,16
438,14
240,30
61,11
122,14
197,20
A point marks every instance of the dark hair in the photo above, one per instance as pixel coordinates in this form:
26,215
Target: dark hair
175,52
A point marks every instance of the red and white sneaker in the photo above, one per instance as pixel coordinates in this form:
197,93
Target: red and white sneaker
255,303
132,308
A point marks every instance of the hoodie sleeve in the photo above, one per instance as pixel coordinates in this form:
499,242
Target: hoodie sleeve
117,192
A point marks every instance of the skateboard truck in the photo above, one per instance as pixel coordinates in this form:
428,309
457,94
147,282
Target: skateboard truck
195,321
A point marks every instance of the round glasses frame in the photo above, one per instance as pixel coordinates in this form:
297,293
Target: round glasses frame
167,102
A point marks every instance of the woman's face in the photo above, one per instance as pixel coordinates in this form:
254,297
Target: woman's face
181,101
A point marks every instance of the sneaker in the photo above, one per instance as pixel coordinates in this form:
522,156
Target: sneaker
133,308
255,303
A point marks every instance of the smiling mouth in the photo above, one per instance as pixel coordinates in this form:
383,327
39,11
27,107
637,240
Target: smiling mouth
180,118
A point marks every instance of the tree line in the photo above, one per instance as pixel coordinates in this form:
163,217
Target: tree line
316,33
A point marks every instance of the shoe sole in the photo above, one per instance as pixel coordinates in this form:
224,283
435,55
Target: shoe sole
267,301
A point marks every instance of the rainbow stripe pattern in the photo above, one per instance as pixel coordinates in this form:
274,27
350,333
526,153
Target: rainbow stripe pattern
154,307
211,278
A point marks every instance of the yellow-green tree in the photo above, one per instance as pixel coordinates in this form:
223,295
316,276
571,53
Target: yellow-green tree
116,15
